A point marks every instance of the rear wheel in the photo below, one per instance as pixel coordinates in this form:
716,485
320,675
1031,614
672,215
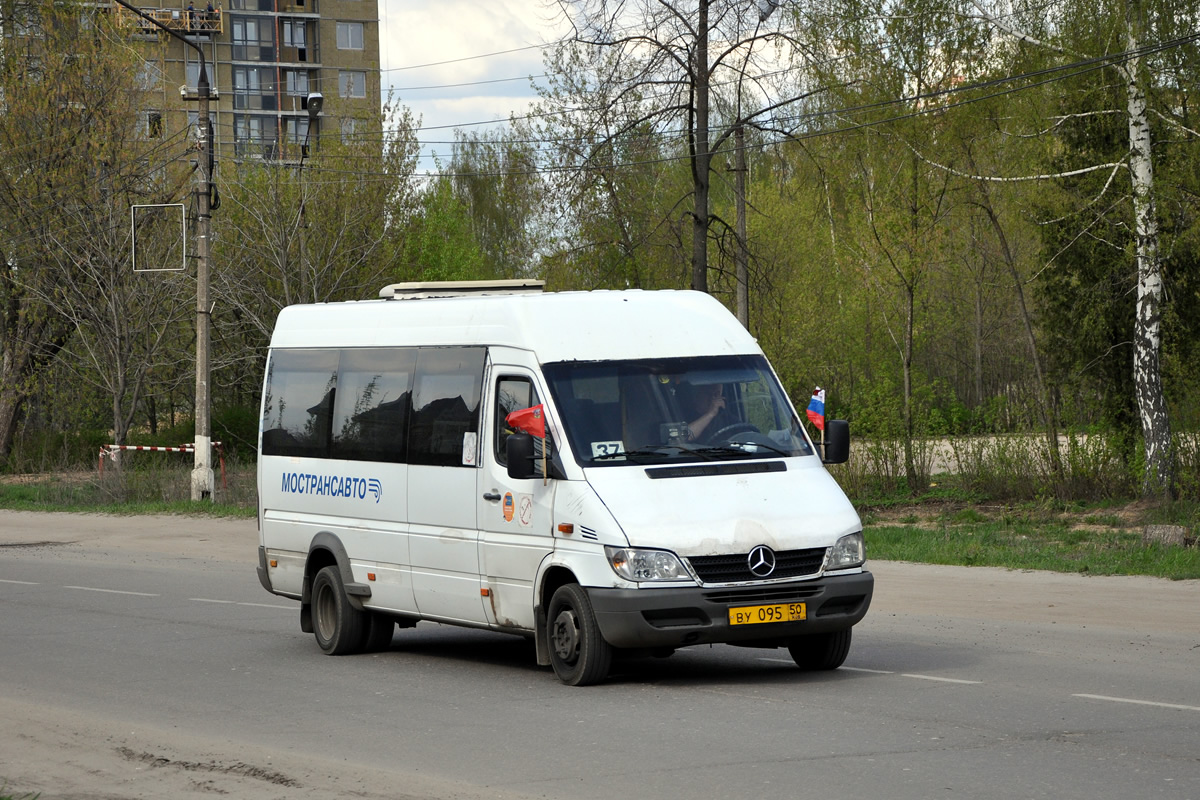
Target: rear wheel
578,652
339,627
820,651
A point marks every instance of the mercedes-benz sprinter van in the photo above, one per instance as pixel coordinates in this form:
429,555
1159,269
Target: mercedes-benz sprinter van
608,473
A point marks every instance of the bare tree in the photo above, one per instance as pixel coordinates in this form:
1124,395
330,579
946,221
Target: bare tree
660,66
325,230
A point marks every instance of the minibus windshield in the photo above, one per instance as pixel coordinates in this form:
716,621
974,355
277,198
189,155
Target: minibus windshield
674,409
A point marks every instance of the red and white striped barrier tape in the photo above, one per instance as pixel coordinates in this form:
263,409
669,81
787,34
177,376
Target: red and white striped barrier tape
111,450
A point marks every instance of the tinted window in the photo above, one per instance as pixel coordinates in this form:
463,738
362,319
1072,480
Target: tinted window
512,394
370,417
445,401
299,400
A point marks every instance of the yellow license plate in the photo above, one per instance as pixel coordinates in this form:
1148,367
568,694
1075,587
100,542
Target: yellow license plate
780,612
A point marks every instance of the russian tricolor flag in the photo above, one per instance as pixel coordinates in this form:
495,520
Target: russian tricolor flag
816,408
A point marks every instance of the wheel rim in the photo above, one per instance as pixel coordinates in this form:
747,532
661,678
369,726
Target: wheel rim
565,636
326,612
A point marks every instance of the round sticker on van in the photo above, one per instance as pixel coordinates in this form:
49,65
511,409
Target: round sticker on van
508,507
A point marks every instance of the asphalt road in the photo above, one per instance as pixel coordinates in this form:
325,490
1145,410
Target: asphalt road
974,683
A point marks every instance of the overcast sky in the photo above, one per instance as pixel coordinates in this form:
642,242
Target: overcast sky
415,33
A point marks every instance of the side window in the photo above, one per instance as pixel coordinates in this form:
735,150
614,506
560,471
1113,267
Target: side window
512,394
445,406
370,417
299,400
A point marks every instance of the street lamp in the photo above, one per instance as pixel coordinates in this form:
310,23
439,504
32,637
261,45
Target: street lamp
315,102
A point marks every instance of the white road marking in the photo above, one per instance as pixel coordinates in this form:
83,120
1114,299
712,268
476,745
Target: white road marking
1137,702
935,678
872,671
110,591
236,603
23,583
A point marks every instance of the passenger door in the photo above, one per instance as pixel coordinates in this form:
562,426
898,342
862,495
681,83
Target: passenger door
443,453
515,516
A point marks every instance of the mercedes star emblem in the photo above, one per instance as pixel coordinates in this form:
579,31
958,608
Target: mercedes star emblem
761,561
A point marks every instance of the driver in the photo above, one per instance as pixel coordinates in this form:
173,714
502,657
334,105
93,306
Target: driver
707,402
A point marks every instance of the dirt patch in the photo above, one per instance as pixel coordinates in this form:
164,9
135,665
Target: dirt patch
933,516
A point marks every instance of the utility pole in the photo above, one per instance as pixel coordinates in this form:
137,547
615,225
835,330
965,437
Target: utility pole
202,471
741,257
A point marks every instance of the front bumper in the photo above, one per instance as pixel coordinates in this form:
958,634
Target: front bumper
678,617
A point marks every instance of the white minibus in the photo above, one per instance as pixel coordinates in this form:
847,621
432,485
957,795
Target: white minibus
654,490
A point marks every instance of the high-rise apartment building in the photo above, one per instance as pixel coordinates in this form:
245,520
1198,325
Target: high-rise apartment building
264,59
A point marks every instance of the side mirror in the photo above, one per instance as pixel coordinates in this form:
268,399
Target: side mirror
518,451
837,442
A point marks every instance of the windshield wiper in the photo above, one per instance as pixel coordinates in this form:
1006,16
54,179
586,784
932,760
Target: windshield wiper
741,449
657,451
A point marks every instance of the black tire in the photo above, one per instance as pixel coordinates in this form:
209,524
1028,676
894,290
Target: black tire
339,627
820,651
578,652
379,630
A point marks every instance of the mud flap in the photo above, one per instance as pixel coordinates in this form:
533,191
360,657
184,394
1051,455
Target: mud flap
541,645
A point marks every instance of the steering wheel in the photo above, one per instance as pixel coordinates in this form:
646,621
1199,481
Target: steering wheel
729,430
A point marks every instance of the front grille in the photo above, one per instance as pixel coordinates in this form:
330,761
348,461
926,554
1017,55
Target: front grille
735,568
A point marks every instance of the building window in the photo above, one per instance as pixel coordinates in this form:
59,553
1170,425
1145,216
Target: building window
253,88
150,76
293,33
254,136
353,84
296,130
350,36
151,124
252,41
348,128
296,83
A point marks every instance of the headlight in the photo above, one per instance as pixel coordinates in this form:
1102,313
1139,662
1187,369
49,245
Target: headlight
848,552
637,564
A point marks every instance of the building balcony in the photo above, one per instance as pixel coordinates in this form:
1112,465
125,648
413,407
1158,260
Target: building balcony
195,22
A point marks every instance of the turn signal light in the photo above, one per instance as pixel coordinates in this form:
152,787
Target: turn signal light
566,527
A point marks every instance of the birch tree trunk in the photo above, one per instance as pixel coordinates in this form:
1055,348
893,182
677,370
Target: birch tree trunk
1147,334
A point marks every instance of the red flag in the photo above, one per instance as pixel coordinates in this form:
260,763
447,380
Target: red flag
531,420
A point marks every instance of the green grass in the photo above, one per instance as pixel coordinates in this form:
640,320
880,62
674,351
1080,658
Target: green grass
4,795
1055,544
156,490
945,526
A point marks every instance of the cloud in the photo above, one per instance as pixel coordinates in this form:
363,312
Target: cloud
431,32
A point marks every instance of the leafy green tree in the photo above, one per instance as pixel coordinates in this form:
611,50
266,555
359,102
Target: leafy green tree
74,162
439,243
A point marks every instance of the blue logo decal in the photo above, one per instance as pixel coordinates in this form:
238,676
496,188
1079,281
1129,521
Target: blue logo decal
332,485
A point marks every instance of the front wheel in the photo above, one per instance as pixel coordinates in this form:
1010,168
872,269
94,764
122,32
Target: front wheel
820,651
578,652
339,627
